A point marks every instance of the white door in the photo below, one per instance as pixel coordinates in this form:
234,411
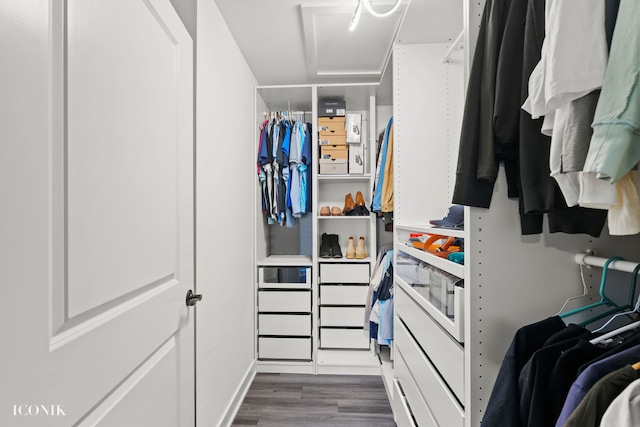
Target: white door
96,214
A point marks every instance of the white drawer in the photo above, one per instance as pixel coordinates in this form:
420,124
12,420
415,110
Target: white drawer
343,294
401,412
287,277
445,353
413,399
284,301
342,316
441,401
284,348
344,273
344,338
284,324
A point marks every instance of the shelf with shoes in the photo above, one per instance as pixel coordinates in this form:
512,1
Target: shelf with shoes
343,348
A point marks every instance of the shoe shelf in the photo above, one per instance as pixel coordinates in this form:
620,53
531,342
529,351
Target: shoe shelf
346,178
430,230
344,217
345,260
285,261
436,261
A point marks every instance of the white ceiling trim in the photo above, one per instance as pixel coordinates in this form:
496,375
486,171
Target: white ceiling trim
312,13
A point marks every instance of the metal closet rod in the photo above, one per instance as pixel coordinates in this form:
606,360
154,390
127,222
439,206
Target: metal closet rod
595,261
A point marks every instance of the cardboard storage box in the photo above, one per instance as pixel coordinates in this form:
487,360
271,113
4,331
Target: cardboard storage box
332,108
334,152
332,138
333,167
331,123
356,158
353,127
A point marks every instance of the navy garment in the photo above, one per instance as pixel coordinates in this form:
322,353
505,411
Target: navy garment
562,377
535,375
503,407
384,290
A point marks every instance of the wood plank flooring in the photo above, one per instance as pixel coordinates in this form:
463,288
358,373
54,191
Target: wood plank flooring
295,400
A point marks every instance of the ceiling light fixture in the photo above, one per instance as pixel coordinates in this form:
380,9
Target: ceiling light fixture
355,18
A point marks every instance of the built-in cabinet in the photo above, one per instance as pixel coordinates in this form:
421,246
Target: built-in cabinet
328,306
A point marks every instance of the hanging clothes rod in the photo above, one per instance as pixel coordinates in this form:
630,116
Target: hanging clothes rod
455,44
595,261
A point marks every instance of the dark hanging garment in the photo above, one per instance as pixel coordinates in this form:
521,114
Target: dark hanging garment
503,407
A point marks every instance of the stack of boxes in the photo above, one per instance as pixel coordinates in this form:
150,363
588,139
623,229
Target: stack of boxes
332,138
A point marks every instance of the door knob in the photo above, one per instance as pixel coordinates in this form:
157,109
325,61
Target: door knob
192,298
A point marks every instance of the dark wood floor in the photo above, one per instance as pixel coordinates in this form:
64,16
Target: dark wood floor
292,400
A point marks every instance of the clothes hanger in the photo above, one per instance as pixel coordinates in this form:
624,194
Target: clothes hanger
604,299
585,291
632,292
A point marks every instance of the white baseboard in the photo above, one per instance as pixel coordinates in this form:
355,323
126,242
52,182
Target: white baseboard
241,392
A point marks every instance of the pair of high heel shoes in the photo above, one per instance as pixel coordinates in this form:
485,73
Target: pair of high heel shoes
351,207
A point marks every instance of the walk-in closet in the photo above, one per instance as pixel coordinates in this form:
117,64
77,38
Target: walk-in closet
411,213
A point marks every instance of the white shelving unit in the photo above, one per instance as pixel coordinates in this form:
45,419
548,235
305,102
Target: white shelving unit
339,343
445,367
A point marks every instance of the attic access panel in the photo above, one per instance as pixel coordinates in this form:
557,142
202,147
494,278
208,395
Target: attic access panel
334,51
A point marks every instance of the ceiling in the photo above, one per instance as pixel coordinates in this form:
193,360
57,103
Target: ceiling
288,42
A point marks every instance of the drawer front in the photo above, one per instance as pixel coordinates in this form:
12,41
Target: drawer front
344,273
343,295
401,413
342,316
284,277
344,338
284,324
413,398
445,408
284,301
443,350
284,348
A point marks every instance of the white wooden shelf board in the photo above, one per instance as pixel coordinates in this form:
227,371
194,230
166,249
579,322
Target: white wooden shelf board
285,261
430,230
345,178
441,263
343,218
344,260
348,358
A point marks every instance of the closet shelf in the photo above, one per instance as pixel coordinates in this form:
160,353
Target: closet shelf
344,218
430,230
441,263
344,178
344,260
285,261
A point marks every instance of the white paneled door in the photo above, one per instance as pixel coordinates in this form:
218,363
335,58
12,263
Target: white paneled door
96,214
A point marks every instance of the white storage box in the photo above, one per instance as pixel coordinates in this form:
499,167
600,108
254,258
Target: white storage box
356,158
333,167
353,127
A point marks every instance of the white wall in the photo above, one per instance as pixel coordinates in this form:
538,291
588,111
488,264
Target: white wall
225,271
